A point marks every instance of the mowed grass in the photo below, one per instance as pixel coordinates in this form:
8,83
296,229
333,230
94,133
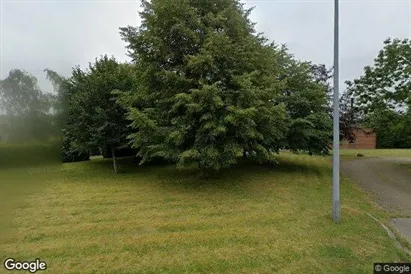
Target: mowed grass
405,153
249,219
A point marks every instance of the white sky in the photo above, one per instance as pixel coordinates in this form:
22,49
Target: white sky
61,34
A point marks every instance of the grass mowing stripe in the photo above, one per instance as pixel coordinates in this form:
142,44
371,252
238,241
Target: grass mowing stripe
157,220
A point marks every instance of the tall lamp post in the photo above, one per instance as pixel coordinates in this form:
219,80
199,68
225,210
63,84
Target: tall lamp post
336,120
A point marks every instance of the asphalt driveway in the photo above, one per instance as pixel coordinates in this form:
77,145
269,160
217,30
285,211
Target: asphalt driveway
388,182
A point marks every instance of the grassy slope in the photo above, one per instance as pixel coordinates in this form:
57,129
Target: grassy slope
378,152
154,219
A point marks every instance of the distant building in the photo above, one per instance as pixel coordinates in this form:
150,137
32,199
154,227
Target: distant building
365,138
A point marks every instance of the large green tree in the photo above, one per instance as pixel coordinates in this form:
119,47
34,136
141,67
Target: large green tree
383,94
98,120
208,87
387,83
305,94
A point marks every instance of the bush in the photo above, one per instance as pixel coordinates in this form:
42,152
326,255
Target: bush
393,129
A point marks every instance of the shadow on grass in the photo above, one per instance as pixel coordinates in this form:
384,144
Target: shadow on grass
243,173
286,165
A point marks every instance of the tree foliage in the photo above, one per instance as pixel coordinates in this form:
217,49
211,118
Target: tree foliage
350,118
393,129
70,152
207,88
305,95
387,83
24,108
96,120
383,94
211,87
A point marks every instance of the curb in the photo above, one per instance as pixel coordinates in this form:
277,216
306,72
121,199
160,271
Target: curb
392,235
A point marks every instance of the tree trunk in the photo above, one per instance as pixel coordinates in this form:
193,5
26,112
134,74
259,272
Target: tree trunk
113,153
244,154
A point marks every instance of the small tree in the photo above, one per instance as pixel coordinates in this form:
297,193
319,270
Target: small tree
100,121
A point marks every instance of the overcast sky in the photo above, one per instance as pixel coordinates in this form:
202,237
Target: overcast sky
61,34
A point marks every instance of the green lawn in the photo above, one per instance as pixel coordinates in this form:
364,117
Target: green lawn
251,219
377,152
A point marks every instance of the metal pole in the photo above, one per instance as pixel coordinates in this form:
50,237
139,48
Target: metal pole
336,120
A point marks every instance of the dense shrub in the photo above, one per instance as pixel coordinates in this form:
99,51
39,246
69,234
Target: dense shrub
393,129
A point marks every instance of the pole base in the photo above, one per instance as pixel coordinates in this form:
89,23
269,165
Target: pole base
336,212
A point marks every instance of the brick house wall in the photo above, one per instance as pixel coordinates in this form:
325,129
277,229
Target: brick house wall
365,139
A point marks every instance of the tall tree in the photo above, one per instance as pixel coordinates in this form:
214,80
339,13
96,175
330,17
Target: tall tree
208,87
383,94
65,119
350,115
25,107
387,83
99,120
305,95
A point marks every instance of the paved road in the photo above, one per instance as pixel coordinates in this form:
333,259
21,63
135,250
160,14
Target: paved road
389,182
